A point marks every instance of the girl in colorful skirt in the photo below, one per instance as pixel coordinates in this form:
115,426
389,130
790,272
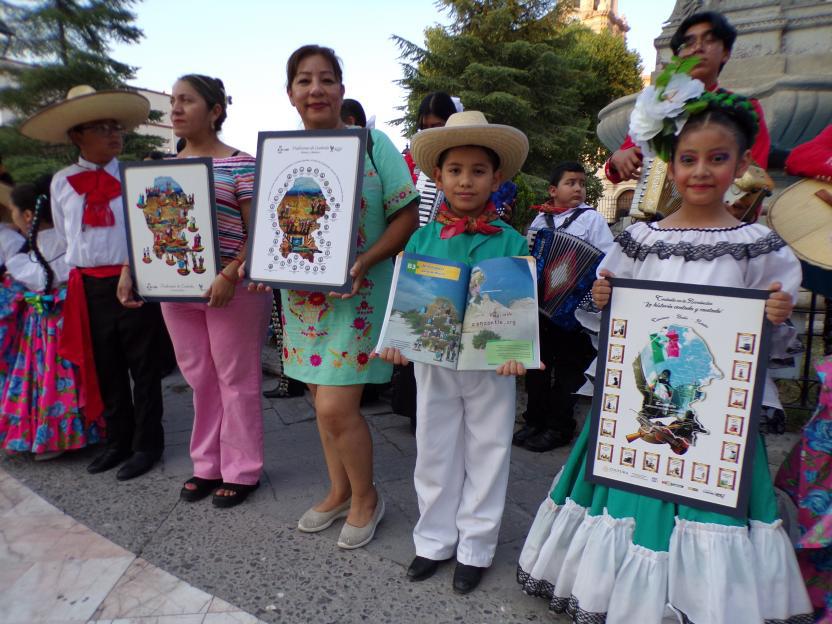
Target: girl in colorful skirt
41,405
601,554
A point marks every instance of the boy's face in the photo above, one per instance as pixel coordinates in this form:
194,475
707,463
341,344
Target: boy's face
570,191
467,178
701,41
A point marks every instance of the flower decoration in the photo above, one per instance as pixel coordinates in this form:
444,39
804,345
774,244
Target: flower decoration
661,110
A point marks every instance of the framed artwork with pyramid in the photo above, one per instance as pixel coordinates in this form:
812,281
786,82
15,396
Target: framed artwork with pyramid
305,214
171,227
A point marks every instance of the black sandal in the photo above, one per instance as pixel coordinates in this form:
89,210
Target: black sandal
241,492
204,487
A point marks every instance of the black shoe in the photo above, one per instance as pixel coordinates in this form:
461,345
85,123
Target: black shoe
239,494
278,393
137,465
524,433
466,578
422,568
107,460
547,440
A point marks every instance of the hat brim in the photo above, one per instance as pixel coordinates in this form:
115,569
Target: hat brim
510,144
5,195
804,221
52,124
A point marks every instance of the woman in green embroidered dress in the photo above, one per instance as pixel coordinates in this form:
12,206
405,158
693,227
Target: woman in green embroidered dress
328,339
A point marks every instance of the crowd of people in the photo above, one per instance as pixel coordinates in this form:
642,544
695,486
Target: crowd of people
80,351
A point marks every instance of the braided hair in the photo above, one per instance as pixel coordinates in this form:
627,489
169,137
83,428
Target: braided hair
35,198
730,110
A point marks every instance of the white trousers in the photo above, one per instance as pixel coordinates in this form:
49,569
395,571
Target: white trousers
464,424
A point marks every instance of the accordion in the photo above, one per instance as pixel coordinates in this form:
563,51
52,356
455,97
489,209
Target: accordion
430,199
655,193
566,267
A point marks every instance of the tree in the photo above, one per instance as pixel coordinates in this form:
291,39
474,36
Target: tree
62,43
522,63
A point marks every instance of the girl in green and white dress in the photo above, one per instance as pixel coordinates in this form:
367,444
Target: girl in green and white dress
605,555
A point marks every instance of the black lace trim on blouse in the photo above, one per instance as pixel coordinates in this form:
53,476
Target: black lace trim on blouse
739,251
655,227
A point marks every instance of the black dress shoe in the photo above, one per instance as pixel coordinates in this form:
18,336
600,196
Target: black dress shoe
466,578
107,460
547,440
137,465
524,433
422,568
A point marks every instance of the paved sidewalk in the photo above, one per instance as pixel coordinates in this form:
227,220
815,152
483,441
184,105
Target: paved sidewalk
251,556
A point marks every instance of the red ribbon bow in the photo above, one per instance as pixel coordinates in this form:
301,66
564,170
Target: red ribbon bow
98,187
455,225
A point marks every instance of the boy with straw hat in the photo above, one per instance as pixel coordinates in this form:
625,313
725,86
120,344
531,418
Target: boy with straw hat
109,342
464,419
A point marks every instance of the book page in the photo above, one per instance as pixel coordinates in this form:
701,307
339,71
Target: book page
501,319
425,309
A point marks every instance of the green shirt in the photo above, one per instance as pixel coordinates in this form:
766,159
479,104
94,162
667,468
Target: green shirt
468,248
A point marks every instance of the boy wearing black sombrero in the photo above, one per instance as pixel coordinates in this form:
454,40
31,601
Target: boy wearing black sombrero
111,338
464,419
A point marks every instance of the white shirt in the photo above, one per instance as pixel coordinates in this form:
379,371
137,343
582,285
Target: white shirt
87,246
25,268
590,226
10,242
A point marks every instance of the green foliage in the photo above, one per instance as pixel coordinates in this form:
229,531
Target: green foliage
523,64
484,337
531,190
594,189
61,44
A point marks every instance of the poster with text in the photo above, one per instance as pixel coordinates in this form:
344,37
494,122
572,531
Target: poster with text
678,387
171,227
307,203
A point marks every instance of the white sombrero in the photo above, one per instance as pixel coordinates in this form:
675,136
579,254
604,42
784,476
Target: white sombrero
471,128
84,104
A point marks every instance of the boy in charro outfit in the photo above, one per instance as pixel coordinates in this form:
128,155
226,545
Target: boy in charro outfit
464,418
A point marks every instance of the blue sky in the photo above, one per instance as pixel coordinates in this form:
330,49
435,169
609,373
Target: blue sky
246,44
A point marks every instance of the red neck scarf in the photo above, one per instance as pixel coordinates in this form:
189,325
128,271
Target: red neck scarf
455,225
550,208
98,187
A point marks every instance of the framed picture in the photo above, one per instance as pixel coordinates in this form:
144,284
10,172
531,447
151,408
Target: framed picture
608,427
306,209
613,378
171,227
678,390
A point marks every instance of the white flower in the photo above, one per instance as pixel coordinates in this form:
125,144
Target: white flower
654,106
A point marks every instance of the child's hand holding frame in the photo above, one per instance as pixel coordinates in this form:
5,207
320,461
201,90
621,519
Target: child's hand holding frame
602,289
779,304
392,356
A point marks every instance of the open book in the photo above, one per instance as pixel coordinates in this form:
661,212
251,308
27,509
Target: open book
466,318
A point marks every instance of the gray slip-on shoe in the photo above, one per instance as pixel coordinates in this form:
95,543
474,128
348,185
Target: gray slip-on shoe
313,521
356,537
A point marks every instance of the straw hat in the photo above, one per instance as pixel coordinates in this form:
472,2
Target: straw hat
84,104
471,128
5,195
802,216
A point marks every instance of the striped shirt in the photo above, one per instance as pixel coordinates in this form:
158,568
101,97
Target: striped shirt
233,183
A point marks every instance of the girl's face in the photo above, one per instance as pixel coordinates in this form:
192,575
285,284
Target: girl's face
431,121
705,164
21,218
316,94
189,112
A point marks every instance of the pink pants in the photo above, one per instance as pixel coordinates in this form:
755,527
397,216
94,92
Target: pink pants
218,352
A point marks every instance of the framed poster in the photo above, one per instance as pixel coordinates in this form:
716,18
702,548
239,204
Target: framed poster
307,203
171,227
678,387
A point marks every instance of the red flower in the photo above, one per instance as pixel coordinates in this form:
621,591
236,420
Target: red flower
359,323
344,354
363,358
364,305
317,299
285,353
315,359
